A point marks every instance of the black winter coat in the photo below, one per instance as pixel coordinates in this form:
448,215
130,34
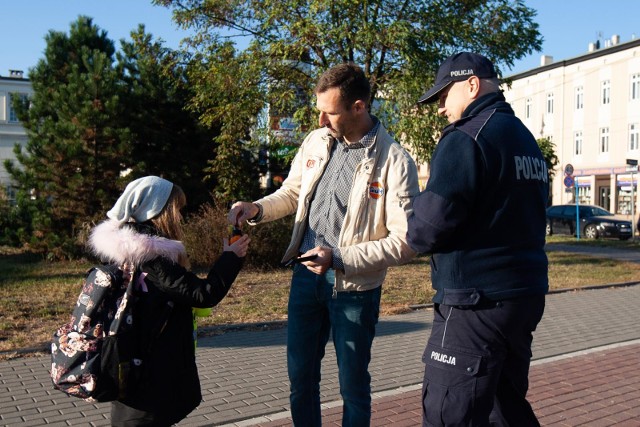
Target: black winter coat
171,386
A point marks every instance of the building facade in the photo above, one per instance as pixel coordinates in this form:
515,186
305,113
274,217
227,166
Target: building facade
11,131
589,107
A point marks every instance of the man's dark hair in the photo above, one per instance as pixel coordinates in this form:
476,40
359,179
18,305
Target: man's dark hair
351,81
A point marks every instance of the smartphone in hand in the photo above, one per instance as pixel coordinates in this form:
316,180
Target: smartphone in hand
300,259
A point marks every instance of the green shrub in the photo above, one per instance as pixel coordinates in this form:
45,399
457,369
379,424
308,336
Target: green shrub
268,242
205,230
14,222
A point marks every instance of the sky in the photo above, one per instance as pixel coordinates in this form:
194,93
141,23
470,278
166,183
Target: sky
567,26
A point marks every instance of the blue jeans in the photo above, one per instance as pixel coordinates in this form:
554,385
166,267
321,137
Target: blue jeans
351,317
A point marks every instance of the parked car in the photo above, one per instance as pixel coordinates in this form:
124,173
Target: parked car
595,222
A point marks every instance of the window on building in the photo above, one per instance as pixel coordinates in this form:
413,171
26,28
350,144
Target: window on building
579,98
584,195
606,92
12,113
10,193
604,140
527,108
13,117
635,86
577,143
550,103
634,137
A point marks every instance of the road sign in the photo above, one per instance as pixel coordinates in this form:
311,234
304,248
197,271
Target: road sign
632,162
568,169
569,181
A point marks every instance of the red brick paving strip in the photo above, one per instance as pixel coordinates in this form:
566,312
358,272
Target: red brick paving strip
596,389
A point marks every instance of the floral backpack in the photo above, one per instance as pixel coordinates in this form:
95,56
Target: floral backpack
96,356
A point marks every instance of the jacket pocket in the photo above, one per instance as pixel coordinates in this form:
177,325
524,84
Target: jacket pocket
461,298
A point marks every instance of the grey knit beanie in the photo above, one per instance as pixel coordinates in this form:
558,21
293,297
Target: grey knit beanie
142,200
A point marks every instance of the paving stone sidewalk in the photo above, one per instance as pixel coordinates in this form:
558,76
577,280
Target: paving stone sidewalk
243,373
592,388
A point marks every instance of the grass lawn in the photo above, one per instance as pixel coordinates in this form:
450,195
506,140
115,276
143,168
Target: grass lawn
37,296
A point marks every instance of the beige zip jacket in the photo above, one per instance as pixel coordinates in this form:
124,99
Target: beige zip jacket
373,235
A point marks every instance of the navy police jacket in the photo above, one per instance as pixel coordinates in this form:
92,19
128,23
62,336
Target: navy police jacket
482,214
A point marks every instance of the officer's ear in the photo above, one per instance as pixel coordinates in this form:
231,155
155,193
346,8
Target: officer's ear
473,87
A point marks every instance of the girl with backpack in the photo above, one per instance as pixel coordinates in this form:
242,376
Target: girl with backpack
143,235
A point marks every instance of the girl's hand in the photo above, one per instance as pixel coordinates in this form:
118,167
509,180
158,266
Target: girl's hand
239,247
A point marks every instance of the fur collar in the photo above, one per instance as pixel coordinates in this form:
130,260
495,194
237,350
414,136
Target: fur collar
115,242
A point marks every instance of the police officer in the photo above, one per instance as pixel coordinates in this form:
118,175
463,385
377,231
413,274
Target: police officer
482,219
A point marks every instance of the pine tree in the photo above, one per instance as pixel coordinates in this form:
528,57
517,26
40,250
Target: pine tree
168,140
78,139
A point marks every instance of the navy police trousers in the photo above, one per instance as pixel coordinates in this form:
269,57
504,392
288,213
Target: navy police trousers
477,362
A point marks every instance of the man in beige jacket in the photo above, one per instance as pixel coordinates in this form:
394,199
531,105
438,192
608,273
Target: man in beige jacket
351,187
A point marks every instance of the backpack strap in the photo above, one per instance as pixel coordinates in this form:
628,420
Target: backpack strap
137,288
